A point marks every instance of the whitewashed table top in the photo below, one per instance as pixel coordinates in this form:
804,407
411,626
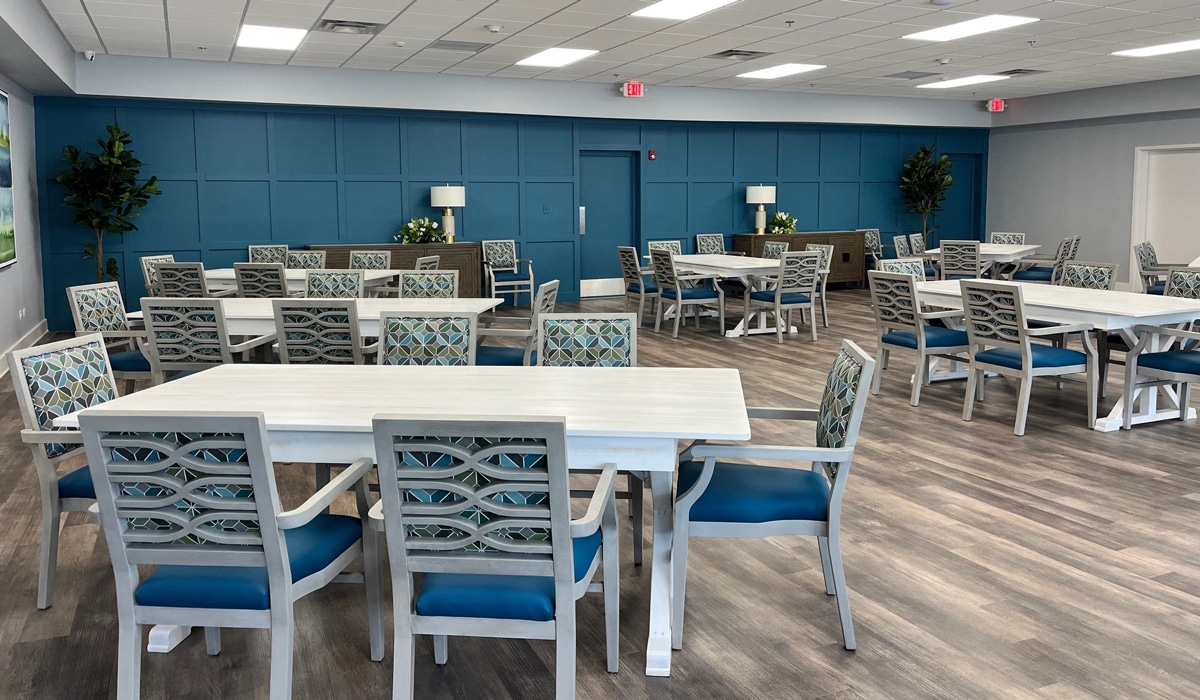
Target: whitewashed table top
728,265
1194,263
998,252
641,402
253,309
227,275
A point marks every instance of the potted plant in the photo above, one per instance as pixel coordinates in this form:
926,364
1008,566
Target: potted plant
781,223
421,230
924,184
104,192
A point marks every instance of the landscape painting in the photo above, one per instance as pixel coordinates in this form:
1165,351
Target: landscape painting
8,232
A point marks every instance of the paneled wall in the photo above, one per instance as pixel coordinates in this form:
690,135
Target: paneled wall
233,175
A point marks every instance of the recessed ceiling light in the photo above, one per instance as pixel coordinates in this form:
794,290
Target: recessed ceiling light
781,71
1160,49
969,80
557,58
254,36
979,25
681,9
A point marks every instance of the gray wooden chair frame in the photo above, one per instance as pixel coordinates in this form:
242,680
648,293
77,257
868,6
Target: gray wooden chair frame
543,303
897,307
633,275
773,250
873,246
1110,342
501,256
960,259
1001,324
428,262
185,280
1006,238
1061,255
826,252
1144,378
120,333
675,246
900,243
916,243
51,446
905,266
334,284
388,319
666,277
131,546
799,272
713,244
270,253
181,338
832,417
261,280
410,287
370,260
409,553
149,275
305,260
1150,270
319,331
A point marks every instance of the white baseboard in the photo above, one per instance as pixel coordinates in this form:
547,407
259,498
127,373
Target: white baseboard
28,340
612,287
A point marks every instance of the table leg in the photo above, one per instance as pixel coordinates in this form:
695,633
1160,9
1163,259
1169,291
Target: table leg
658,647
1147,408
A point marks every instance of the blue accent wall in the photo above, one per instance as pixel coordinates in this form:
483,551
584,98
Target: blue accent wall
234,175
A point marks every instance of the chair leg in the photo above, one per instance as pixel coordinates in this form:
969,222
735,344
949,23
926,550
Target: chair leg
1185,400
679,307
637,493
48,557
779,321
824,308
826,565
564,679
1023,404
129,386
679,554
880,353
611,556
658,315
129,656
812,323
441,649
843,595
920,378
973,377
405,658
371,576
281,653
212,640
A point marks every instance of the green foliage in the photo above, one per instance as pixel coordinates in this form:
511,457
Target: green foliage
104,193
782,222
4,138
421,230
924,184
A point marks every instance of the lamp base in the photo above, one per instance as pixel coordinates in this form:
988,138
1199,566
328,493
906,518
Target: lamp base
760,220
448,224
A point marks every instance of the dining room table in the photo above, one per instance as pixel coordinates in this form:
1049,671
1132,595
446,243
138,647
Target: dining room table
991,253
633,417
223,278
738,267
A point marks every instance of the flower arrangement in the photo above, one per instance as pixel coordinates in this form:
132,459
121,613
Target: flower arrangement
782,222
422,230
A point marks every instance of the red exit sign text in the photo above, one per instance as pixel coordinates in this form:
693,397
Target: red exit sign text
633,88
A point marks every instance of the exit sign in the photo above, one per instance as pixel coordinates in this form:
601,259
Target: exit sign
633,88
996,105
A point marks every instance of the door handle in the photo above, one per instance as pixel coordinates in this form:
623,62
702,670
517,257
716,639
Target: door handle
583,221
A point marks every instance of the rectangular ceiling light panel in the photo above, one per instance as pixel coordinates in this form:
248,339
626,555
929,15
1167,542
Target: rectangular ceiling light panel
1161,49
980,25
781,71
254,36
961,82
681,9
557,58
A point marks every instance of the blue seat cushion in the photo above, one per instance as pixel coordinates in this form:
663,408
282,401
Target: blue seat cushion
1043,356
692,293
1177,361
1034,274
931,271
512,276
129,361
651,288
746,493
786,299
935,337
1158,288
500,356
311,547
966,277
501,597
76,484
1034,323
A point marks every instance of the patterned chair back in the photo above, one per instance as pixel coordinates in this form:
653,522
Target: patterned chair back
1074,252
261,280
1183,282
1006,238
631,269
428,262
917,242
710,243
587,340
370,259
905,266
799,272
305,260
664,268
477,497
900,243
543,303
774,250
676,247
500,255
268,254
182,280
894,299
444,339
1061,255
826,252
1089,275
995,315
185,334
98,308
960,258
334,284
873,243
840,413
150,274
1146,257
429,284
317,332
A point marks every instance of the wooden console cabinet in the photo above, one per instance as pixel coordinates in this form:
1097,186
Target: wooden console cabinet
466,257
849,250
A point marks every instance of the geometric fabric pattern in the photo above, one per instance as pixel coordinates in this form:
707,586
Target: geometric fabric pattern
676,247
710,243
901,245
186,332
587,342
431,284
181,280
335,284
370,259
837,403
905,266
500,255
305,259
774,250
64,381
1001,238
150,275
1088,275
1183,283
260,280
425,340
992,315
99,307
269,254
917,241
315,334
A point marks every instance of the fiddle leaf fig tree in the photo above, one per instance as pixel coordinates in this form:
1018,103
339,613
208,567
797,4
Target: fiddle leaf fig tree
924,184
104,192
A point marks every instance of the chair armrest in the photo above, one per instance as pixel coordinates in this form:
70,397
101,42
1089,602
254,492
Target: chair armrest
775,452
603,495
506,319
375,516
370,349
223,293
252,343
329,493
735,252
1159,330
949,313
1059,330
781,413
527,261
46,437
116,335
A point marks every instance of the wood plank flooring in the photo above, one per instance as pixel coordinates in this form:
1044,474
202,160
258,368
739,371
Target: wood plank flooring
1064,564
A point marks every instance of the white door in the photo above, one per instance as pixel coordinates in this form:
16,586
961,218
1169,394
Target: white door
1173,205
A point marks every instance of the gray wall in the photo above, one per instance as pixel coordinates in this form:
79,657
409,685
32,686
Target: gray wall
1076,178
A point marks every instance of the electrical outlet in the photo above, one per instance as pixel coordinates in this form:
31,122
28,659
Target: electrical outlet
21,315
545,208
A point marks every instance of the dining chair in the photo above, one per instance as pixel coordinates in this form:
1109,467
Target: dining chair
445,339
916,242
905,266
370,260
675,246
1151,271
503,268
195,496
261,280
1089,275
1000,342
637,287
726,499
795,287
902,323
185,280
525,354
189,335
671,291
774,250
305,260
514,563
916,248
710,243
900,243
1006,238
150,275
319,332
1032,272
99,308
268,254
826,252
960,260
428,262
50,381
334,284
874,247
1117,342
429,284
1164,365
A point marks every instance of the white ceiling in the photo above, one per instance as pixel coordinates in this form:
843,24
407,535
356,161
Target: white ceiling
859,40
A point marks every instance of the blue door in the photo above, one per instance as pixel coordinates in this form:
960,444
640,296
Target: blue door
609,217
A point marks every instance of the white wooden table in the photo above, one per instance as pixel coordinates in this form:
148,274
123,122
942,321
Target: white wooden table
1106,311
734,267
997,252
297,280
1194,263
631,416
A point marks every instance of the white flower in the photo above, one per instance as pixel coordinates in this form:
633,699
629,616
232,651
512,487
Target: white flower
434,225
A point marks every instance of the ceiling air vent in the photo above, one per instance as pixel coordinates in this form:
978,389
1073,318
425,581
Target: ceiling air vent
461,46
910,75
1015,72
345,26
738,55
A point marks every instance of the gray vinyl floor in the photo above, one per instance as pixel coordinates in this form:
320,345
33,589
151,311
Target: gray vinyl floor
1064,564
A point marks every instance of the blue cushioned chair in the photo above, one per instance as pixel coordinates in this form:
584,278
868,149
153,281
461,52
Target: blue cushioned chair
1029,271
674,291
513,563
637,288
1145,371
189,335
795,287
99,308
195,497
1000,342
960,260
723,499
1150,270
504,273
526,354
50,381
902,323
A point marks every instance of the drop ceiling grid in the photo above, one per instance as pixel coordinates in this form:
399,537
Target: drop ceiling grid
859,40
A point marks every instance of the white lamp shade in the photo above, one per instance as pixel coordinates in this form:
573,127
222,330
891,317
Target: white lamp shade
453,196
760,194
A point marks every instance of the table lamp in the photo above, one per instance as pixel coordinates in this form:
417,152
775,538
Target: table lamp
447,197
760,195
